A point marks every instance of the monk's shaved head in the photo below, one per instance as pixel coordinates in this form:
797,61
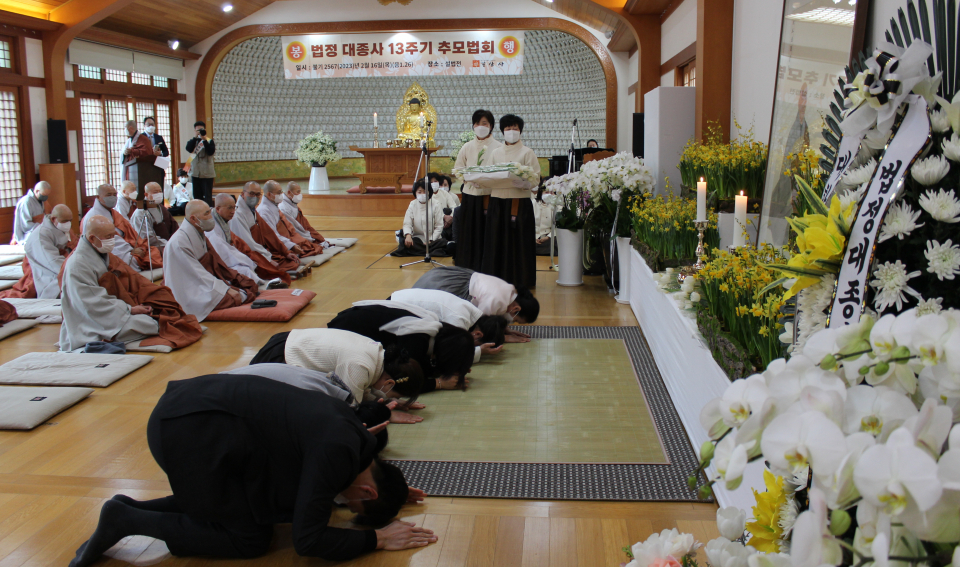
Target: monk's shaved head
293,188
196,208
62,213
98,227
129,188
223,199
226,206
42,188
251,187
272,187
152,188
106,190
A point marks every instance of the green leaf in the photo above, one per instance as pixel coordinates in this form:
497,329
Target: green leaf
814,200
796,271
831,265
772,286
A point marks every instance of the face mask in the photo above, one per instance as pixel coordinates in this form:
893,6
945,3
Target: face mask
64,227
436,186
296,198
422,197
127,196
184,180
206,225
42,198
151,129
278,198
106,246
251,202
512,136
110,202
509,317
445,187
481,131
158,198
341,499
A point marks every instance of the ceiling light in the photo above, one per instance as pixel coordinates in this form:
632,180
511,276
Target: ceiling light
550,1
174,43
228,7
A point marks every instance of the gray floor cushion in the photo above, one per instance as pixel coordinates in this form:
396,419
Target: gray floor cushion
343,242
139,550
11,249
6,259
26,408
7,284
33,308
80,369
155,275
136,347
16,326
11,272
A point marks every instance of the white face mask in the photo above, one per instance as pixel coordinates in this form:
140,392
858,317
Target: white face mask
157,198
151,129
106,246
184,180
481,131
436,186
512,136
129,196
64,227
445,187
206,225
296,198
422,197
278,198
508,316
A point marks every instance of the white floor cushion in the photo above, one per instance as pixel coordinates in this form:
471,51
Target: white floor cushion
16,326
7,284
155,275
33,308
26,408
80,369
344,242
139,550
309,261
12,249
135,346
6,259
333,250
11,272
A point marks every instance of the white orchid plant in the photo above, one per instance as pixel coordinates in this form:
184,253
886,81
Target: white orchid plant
521,171
459,142
317,148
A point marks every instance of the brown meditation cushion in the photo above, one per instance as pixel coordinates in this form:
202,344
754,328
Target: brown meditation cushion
289,303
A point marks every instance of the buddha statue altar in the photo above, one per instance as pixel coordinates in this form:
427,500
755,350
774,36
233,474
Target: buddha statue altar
416,116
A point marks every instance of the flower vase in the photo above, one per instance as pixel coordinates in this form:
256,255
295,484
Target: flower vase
570,243
319,181
623,267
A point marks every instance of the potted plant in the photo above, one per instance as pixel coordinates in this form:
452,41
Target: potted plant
574,203
318,150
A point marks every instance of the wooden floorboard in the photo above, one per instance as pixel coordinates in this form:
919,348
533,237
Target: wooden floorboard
54,479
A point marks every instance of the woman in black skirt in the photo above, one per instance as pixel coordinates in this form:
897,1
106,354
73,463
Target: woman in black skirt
469,220
510,239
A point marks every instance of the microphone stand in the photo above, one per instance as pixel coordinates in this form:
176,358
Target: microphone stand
425,158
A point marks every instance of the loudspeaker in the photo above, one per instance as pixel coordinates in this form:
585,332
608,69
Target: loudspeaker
638,134
57,141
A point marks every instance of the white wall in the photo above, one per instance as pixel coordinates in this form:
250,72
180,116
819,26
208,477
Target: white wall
756,39
679,31
38,102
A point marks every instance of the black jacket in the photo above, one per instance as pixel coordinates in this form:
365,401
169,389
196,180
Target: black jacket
159,141
271,451
211,146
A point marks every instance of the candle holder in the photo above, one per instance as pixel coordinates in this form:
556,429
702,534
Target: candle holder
376,137
696,267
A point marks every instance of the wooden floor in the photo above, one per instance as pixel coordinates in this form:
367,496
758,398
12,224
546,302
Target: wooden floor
54,479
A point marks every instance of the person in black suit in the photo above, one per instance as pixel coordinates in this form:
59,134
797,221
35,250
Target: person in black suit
243,453
150,129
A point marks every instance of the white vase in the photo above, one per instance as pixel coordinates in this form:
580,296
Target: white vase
319,182
623,261
570,243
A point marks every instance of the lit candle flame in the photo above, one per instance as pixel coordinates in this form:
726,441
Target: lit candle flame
741,193
701,180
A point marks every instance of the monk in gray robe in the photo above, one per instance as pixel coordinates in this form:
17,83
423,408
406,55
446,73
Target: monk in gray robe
29,211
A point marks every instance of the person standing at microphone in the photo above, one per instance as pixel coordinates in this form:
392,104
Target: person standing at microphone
201,169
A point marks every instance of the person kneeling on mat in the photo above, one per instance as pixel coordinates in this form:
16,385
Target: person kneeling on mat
243,453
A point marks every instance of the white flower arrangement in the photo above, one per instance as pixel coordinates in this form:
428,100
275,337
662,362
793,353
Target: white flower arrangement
943,206
477,173
622,172
900,221
930,171
669,548
460,141
317,148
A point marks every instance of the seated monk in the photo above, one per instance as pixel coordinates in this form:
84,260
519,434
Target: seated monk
131,248
127,199
46,249
269,210
159,221
290,207
257,233
103,299
235,253
200,280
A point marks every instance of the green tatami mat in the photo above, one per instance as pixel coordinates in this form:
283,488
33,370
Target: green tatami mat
547,401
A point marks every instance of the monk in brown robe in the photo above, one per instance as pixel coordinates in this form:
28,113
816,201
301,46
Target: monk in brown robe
133,250
257,233
269,211
290,207
234,252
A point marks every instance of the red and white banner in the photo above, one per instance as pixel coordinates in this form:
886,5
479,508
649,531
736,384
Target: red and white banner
403,54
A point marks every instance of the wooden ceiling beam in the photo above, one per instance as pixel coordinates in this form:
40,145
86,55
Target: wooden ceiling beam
27,22
117,39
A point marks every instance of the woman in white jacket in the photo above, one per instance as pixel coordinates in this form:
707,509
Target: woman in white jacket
413,238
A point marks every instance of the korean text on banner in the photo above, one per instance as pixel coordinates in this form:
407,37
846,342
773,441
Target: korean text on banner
403,54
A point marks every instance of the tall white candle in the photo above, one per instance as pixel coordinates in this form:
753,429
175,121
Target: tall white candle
739,219
701,200
422,120
374,119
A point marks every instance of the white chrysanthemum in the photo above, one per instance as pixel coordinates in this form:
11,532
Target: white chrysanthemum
943,259
812,304
852,196
951,147
860,175
930,171
929,306
890,280
788,516
939,121
942,205
900,221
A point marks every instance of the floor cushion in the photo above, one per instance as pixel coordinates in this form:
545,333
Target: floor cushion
80,369
313,261
33,308
26,408
289,303
342,242
6,259
7,284
16,326
155,275
11,272
12,249
139,550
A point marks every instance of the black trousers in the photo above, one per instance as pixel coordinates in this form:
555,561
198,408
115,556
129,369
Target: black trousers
203,189
273,351
188,537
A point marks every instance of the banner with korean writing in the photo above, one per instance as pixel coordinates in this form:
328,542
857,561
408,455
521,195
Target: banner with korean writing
403,54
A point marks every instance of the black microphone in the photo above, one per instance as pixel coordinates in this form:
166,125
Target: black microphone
540,193
574,121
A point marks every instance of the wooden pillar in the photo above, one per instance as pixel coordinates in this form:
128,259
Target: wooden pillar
648,45
714,64
62,178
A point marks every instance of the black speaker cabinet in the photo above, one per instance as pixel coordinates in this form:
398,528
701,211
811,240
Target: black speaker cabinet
57,141
638,134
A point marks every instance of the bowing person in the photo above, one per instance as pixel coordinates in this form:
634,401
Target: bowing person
235,253
258,234
198,277
471,219
28,213
510,251
284,230
290,208
243,453
46,249
156,219
413,239
131,248
492,295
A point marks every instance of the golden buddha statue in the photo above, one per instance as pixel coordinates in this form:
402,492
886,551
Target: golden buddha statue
416,116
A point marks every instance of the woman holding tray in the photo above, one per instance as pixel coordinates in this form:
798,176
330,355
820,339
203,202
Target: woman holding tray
510,239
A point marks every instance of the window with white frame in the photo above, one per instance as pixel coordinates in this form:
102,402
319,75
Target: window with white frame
11,172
